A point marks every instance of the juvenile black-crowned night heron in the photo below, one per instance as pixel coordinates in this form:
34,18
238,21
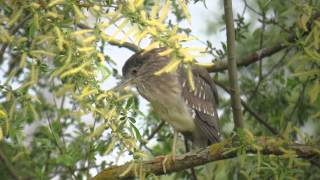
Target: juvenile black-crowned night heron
191,112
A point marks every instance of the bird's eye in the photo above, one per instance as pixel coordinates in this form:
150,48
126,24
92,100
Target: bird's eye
134,71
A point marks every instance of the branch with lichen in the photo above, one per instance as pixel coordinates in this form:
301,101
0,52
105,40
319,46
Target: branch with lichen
226,149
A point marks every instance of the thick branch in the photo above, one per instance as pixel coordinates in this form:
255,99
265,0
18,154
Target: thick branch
232,66
214,152
250,59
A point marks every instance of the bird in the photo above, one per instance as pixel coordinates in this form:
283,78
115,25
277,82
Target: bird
190,111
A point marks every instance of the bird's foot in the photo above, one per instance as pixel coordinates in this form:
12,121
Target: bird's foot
167,160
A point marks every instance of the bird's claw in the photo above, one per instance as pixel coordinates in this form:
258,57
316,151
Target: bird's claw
167,160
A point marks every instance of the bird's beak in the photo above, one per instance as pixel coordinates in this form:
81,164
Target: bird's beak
123,85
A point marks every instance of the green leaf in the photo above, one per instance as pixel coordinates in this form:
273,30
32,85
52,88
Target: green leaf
136,131
314,91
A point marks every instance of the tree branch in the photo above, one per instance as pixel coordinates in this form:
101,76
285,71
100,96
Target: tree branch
215,152
232,66
265,52
250,59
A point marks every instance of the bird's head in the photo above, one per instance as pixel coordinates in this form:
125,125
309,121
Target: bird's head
142,65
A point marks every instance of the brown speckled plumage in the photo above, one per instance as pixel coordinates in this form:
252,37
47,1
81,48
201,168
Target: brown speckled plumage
193,113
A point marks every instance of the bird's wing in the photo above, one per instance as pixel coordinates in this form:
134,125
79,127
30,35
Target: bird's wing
202,101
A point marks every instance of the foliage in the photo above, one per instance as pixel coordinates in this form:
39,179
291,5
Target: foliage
56,119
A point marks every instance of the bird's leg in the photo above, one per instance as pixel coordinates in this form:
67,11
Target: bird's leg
174,144
172,156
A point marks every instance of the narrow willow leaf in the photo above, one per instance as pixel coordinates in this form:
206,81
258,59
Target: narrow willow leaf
170,67
78,12
111,114
314,91
154,11
139,3
316,37
151,46
120,27
308,73
185,10
98,131
204,64
110,146
130,167
190,79
130,31
3,114
12,111
25,85
166,52
140,36
103,25
164,11
136,131
34,112
312,53
316,115
156,25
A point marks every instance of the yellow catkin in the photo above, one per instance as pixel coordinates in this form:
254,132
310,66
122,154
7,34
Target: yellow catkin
55,2
15,16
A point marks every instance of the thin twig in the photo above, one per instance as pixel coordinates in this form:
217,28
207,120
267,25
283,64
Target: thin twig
251,8
250,110
155,131
255,91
